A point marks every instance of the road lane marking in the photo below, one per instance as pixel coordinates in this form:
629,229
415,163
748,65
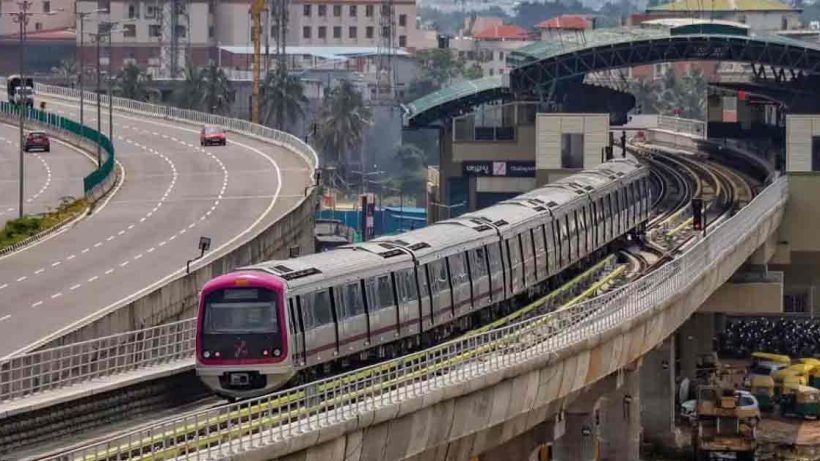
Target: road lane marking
93,278
124,263
5,317
56,295
37,304
39,271
22,278
74,287
4,286
109,271
55,264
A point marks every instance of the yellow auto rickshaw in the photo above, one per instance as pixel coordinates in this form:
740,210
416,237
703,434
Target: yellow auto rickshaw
814,378
769,357
763,390
801,401
784,378
809,361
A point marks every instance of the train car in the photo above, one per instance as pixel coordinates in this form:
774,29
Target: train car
262,325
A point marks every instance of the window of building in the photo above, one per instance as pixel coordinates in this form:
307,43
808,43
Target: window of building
38,26
47,7
369,32
274,31
352,32
784,23
306,10
337,10
154,30
211,7
337,32
133,11
306,32
129,30
352,11
402,41
322,10
182,31
572,149
741,18
104,5
150,11
210,31
322,33
815,153
368,11
385,31
403,20
383,10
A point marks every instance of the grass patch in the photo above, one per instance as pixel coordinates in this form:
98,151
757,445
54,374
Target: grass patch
17,230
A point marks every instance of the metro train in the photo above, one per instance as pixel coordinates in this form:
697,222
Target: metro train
260,325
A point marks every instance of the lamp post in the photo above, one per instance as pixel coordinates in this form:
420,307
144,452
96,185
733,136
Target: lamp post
104,30
82,15
21,17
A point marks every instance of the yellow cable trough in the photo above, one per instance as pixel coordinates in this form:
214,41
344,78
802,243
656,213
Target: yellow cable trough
184,431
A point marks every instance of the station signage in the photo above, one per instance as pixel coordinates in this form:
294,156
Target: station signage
515,169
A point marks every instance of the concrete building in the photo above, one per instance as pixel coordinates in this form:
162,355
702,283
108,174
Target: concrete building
759,15
557,27
47,15
489,46
146,30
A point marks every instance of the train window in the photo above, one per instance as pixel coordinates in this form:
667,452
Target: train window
438,276
494,257
406,286
423,279
291,317
384,289
351,303
607,206
458,269
478,263
316,309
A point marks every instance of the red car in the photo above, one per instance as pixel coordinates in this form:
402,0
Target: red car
37,140
211,135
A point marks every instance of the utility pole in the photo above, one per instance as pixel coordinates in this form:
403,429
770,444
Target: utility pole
81,15
22,19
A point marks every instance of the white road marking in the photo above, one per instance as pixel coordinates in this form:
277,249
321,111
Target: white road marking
93,278
98,244
5,317
124,263
109,271
39,271
55,264
22,278
70,257
37,304
56,295
74,287
85,250
4,286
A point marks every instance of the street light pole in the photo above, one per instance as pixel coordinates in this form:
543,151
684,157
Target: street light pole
99,110
22,19
110,93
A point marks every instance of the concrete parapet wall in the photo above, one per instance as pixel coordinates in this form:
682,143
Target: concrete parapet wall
672,138
176,299
469,418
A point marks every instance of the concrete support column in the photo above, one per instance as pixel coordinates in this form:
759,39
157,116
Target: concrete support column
526,446
657,388
696,337
580,441
621,430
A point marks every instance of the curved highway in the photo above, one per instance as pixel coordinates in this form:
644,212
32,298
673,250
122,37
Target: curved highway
49,175
174,192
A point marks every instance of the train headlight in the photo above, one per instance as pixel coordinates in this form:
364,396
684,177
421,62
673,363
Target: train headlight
277,352
206,354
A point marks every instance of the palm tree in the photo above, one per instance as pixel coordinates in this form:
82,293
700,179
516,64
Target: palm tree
68,70
131,82
188,92
216,91
283,99
343,119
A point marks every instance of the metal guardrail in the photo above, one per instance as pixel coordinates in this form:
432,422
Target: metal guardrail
190,116
235,428
682,125
74,363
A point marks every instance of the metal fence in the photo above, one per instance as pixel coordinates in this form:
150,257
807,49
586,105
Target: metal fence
191,116
682,125
231,429
63,366
96,177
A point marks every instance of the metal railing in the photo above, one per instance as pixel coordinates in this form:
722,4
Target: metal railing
63,366
191,116
235,428
682,125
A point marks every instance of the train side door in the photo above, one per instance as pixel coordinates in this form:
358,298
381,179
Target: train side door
353,321
320,330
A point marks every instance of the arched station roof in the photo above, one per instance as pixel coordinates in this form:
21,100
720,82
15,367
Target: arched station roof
539,65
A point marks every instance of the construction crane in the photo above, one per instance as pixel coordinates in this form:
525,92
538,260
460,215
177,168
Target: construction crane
256,16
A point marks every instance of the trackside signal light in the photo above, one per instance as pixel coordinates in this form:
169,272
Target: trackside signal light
697,214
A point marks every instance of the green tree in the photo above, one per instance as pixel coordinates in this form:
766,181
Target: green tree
283,99
419,88
646,95
473,72
216,90
343,119
440,65
131,83
692,96
412,177
188,92
68,70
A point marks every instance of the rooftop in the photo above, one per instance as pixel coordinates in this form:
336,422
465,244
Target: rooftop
503,32
324,52
722,5
566,22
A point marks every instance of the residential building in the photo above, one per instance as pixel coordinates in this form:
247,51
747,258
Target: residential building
557,27
46,15
489,47
145,33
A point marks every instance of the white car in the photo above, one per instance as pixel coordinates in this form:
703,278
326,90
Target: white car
747,401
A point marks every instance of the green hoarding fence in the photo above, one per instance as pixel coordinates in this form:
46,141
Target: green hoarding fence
98,176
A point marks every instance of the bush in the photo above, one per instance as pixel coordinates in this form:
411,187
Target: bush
17,230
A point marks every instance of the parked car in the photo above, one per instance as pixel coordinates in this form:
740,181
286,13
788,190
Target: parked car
37,140
211,135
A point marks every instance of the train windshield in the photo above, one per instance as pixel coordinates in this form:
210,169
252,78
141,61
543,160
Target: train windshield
241,310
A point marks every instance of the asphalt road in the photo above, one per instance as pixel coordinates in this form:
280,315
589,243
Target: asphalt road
49,176
174,192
